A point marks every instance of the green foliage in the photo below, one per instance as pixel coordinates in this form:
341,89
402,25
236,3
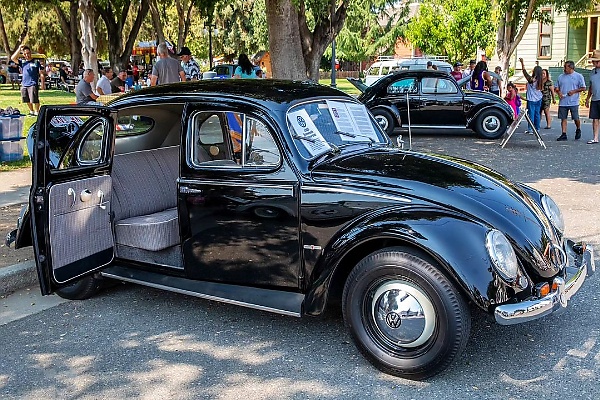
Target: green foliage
453,28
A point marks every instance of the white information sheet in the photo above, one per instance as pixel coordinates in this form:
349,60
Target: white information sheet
352,118
310,136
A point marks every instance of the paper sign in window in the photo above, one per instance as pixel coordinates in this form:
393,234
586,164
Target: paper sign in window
304,127
352,118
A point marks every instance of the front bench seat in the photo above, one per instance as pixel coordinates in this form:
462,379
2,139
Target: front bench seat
145,198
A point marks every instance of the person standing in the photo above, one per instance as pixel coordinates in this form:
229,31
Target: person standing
245,69
512,98
456,72
594,96
189,65
480,77
104,86
534,95
496,86
166,69
568,86
547,97
31,76
468,72
83,91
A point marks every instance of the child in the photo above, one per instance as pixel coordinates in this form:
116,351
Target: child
513,98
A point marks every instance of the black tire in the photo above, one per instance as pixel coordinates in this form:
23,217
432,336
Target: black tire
491,124
385,119
81,289
399,278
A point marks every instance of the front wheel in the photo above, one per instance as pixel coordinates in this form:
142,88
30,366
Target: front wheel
491,124
81,289
404,315
385,120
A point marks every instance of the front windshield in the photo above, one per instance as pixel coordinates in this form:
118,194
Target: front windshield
322,126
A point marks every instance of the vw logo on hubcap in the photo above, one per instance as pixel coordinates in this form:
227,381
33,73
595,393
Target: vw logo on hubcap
393,320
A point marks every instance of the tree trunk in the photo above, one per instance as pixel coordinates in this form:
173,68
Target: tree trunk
88,37
156,21
70,28
184,13
287,61
5,43
117,53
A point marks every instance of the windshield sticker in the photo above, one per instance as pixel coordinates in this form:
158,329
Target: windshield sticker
352,118
61,121
307,132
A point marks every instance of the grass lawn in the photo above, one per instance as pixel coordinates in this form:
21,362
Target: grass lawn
12,98
343,85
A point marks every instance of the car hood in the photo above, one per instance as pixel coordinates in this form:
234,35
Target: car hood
442,181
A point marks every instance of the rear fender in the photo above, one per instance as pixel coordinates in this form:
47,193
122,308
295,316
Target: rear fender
453,242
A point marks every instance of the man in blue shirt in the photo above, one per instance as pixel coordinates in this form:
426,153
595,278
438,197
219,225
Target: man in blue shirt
568,86
31,74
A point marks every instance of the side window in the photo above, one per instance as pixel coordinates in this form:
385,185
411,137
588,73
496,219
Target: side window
385,70
128,125
403,86
63,130
438,86
90,150
230,139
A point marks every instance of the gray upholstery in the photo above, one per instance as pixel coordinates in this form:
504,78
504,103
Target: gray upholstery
144,198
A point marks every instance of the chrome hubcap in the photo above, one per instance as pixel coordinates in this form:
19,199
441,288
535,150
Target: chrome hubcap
403,314
382,121
491,124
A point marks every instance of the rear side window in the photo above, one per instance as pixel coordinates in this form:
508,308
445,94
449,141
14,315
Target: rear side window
230,139
403,86
438,86
128,125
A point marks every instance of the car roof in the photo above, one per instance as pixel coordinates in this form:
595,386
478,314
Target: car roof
270,90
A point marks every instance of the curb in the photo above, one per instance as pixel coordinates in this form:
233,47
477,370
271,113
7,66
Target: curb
17,277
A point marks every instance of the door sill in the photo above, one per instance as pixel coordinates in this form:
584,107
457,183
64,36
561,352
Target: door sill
276,301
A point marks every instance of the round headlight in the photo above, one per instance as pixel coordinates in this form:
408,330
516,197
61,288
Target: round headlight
553,213
502,254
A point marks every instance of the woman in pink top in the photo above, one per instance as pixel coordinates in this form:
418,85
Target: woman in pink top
512,98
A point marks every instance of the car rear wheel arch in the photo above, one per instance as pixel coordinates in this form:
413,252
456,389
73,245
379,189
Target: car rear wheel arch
387,118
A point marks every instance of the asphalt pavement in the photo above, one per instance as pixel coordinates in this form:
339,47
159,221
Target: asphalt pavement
136,342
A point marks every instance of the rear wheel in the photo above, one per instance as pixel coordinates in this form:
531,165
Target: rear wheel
385,120
404,315
491,124
81,289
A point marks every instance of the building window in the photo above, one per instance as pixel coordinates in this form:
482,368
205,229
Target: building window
545,34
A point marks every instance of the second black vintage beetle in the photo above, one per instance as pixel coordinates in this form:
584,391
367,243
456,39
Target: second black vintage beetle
288,197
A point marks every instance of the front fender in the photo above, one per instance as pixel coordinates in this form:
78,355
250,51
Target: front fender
474,114
454,242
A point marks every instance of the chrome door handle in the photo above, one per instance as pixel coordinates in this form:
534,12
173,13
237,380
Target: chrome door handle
101,203
71,192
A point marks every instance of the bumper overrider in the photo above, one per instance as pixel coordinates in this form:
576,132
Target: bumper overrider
580,266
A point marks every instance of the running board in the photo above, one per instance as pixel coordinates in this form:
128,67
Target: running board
276,301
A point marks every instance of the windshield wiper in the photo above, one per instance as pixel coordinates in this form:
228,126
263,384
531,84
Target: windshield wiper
353,135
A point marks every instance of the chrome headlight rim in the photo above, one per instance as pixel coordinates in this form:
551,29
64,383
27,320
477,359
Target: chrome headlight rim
503,256
553,213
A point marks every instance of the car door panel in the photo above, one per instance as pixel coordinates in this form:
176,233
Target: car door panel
80,226
442,103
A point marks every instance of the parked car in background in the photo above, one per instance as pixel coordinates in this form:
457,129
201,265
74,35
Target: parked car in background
434,101
386,65
225,71
288,197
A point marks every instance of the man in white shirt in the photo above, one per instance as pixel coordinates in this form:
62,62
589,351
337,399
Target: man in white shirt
103,85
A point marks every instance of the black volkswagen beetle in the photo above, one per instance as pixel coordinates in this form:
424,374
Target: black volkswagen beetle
429,99
287,197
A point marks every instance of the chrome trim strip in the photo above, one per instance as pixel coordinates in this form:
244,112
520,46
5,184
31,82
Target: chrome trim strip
232,183
359,192
201,295
438,126
555,302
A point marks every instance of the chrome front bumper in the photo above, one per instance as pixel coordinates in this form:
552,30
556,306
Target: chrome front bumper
580,266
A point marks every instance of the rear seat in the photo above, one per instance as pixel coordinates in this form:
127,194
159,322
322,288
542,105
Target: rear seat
145,198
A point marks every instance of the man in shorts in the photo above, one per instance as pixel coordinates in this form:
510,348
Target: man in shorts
568,86
31,76
594,94
13,74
